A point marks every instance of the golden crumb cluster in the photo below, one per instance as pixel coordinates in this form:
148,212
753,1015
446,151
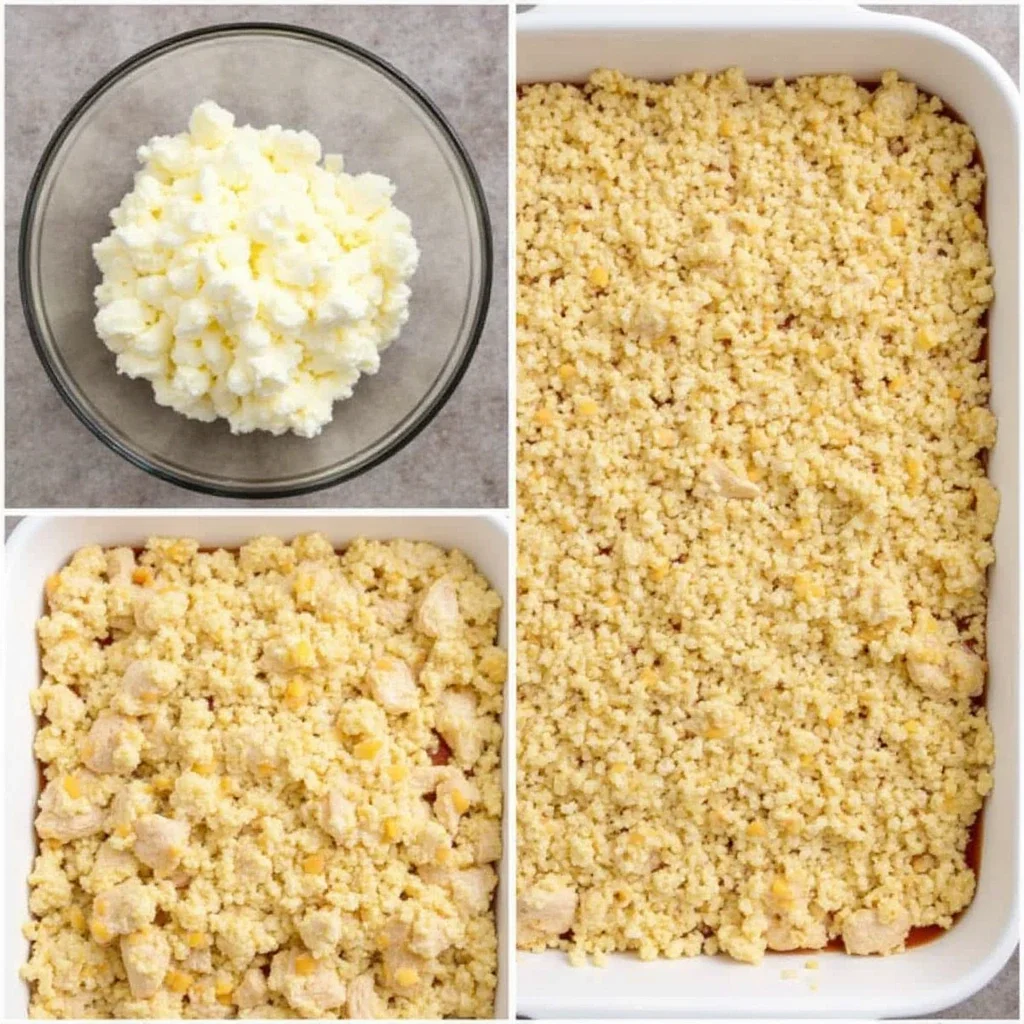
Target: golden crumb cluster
271,783
754,516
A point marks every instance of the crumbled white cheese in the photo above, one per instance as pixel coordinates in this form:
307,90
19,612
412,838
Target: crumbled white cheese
246,281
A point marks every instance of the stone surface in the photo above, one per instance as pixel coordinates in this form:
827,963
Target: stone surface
458,55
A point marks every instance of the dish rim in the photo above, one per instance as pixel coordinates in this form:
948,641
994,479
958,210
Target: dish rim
421,417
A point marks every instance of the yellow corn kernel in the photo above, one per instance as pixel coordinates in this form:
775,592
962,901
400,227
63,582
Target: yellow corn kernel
663,436
835,718
366,750
161,784
52,585
755,473
392,829
811,965
460,801
891,285
178,981
383,942
925,339
648,677
100,932
301,654
305,586
407,976
896,384
398,772
658,572
142,576
805,588
954,392
756,830
304,965
897,224
617,768
758,439
122,831
72,786
544,417
227,785
313,864
443,855
915,467
567,371
295,694
265,769
714,732
587,407
223,987
76,918
815,409
912,726
599,277
196,940
727,128
781,889
204,768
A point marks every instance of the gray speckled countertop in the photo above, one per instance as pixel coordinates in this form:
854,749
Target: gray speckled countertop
459,55
997,29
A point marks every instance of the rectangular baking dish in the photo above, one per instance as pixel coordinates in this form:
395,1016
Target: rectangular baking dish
561,43
41,545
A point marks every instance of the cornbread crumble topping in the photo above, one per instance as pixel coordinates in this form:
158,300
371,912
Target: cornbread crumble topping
271,783
754,516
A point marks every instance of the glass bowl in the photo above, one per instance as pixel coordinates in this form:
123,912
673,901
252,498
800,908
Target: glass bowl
357,105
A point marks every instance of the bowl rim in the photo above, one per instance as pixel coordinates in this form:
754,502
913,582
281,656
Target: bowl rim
477,196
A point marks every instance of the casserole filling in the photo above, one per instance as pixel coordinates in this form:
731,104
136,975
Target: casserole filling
754,519
271,783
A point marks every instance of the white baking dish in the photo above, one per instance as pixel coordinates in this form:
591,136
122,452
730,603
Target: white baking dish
565,44
40,546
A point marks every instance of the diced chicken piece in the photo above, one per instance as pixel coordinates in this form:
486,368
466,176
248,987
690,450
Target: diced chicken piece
363,1001
65,811
487,848
122,909
338,817
199,961
320,930
160,842
426,778
470,888
144,683
438,613
110,867
544,913
730,484
430,838
865,932
114,745
940,665
455,794
392,614
430,933
404,971
252,991
458,724
392,684
146,955
324,589
312,987
204,1002
120,566
783,935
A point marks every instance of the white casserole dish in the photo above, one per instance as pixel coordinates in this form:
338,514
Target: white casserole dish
41,545
565,44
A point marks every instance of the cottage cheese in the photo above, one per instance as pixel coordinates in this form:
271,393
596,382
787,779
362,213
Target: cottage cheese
754,516
246,281
271,784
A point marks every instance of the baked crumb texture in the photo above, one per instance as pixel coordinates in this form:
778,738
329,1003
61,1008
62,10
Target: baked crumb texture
271,783
754,516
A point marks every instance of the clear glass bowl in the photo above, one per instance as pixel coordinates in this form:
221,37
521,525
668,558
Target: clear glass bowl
357,105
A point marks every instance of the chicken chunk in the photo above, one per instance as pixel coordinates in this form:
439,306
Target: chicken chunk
545,912
114,745
405,972
312,987
338,817
487,848
122,909
120,566
438,613
252,991
65,810
455,794
110,867
156,608
730,484
784,935
320,930
940,665
470,888
160,842
865,932
363,1001
144,683
146,955
458,724
392,684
